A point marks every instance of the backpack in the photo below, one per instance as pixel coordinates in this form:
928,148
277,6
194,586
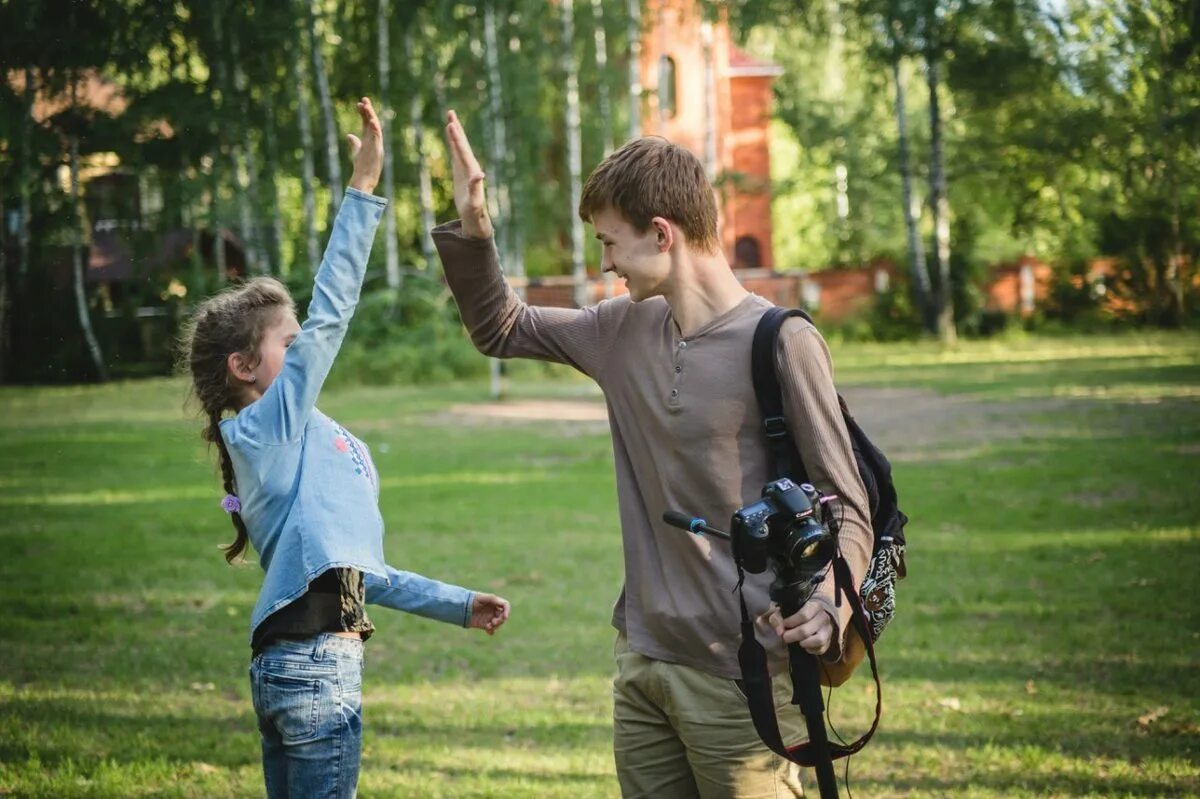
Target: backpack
878,589
873,603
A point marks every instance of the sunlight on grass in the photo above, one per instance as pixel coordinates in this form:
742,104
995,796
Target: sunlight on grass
1045,644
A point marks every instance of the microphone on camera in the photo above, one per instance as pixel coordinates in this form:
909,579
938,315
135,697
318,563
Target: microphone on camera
692,525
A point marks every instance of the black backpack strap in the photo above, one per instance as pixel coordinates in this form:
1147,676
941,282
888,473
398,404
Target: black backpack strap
756,681
785,461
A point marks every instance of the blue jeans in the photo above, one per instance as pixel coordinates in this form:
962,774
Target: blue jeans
308,699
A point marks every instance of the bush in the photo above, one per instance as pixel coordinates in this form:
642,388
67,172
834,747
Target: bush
410,336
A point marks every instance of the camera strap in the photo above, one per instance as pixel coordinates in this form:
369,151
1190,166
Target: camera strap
756,677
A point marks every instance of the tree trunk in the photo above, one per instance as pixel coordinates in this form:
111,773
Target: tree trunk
4,320
228,110
941,207
600,39
333,165
215,215
498,172
85,320
916,247
215,210
308,171
254,234
498,156
391,248
270,175
710,102
416,117
574,152
26,180
635,68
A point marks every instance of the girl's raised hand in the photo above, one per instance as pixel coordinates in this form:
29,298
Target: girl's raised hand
468,182
367,152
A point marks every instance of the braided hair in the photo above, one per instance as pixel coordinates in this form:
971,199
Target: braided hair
233,320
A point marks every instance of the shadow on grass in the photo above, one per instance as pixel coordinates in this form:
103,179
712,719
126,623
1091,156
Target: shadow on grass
545,736
550,779
58,730
1061,733
1022,782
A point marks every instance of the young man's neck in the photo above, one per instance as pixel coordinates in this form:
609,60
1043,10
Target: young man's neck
704,288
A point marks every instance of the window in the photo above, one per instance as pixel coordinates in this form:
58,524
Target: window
666,88
746,253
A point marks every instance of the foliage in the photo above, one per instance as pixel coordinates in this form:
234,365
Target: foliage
1068,128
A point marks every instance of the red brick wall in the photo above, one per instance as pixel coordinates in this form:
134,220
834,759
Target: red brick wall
1003,292
741,108
844,293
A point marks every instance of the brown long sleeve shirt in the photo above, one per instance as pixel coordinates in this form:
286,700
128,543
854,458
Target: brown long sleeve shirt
687,435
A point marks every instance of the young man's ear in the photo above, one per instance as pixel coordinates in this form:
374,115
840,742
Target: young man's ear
664,234
239,367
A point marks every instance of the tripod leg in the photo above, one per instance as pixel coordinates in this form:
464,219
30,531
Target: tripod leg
806,683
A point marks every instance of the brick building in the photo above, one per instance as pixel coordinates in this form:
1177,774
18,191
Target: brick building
703,93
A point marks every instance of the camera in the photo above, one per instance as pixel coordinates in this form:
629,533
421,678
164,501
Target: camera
789,531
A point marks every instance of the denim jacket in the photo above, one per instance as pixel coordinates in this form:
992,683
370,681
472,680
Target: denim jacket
308,488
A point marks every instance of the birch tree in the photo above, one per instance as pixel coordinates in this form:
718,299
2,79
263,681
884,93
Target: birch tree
600,43
916,246
416,119
634,34
333,165
304,123
939,202
384,55
574,151
78,242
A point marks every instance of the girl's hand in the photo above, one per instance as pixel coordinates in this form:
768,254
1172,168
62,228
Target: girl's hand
367,152
468,182
488,613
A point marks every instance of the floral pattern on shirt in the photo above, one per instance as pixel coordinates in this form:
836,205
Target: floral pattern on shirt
344,442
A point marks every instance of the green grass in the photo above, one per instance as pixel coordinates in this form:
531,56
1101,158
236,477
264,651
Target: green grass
1048,642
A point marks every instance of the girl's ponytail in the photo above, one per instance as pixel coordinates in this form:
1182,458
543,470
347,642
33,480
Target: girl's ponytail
213,434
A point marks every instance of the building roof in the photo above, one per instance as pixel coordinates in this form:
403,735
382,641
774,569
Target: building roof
742,65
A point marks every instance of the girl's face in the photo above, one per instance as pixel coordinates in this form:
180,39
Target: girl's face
277,338
275,341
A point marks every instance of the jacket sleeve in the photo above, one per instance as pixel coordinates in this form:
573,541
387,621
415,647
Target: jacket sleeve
422,596
815,419
281,413
504,326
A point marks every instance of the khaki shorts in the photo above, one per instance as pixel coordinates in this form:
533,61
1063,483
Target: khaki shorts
679,732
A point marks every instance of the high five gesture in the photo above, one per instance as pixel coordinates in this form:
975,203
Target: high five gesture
367,151
469,197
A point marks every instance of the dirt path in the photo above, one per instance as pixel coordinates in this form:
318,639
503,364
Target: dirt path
906,423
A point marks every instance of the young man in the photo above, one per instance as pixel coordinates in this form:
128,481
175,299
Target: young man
673,359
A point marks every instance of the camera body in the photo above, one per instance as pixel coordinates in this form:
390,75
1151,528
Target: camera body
789,531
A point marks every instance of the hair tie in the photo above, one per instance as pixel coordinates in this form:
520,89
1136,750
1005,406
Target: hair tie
231,504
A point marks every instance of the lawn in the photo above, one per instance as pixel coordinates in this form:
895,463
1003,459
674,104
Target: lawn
1047,642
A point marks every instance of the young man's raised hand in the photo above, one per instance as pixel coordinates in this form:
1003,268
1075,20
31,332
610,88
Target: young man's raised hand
367,151
469,198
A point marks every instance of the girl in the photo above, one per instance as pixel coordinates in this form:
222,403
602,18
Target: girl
304,492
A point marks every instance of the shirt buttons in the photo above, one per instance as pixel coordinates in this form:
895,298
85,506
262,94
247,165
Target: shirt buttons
674,392
683,345
678,369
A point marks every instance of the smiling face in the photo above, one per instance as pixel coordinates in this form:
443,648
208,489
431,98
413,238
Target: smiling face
638,257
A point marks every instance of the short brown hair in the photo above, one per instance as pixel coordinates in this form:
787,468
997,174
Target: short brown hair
651,177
